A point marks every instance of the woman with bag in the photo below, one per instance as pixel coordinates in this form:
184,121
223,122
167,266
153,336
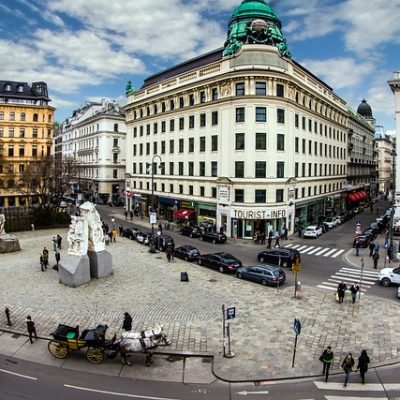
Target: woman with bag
362,365
347,365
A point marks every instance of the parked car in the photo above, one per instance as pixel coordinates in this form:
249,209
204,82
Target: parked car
388,276
143,237
375,227
370,232
338,219
280,257
161,242
214,237
398,292
264,274
187,252
130,233
191,231
330,222
223,262
312,231
362,240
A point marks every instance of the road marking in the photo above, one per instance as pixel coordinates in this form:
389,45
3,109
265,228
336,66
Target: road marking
245,393
307,250
355,276
338,253
372,273
330,252
137,396
296,246
348,281
318,248
301,247
289,245
322,251
20,375
370,387
354,397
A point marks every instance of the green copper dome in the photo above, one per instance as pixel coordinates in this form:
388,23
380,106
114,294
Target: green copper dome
254,9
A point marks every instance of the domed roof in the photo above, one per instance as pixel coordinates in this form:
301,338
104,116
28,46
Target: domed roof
255,9
364,109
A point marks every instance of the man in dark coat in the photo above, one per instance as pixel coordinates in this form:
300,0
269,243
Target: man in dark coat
127,324
30,325
362,365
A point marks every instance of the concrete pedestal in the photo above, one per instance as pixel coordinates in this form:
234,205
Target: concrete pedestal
9,243
100,263
74,270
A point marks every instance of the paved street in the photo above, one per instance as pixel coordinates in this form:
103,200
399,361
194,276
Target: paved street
149,288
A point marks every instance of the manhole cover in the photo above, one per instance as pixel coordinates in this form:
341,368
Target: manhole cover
15,336
212,280
174,358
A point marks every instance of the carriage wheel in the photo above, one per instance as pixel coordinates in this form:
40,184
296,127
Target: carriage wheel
58,349
94,356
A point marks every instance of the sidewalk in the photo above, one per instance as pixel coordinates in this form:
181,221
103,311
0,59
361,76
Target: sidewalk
149,288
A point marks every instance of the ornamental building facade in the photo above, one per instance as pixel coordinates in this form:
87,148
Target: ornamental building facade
243,138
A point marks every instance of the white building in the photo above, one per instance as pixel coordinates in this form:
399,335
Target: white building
93,151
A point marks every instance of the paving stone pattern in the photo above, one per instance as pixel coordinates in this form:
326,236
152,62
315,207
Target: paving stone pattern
149,288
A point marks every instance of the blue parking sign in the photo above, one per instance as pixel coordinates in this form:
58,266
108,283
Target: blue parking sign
230,313
297,326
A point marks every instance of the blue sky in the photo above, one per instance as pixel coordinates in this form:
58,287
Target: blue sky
89,49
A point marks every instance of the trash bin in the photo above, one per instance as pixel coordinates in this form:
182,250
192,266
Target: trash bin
298,287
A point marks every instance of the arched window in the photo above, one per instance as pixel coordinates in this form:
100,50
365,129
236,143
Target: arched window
35,118
10,184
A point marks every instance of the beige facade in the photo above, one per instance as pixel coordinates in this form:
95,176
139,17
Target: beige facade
384,150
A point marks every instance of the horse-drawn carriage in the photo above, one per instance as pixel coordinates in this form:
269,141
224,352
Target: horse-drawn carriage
67,339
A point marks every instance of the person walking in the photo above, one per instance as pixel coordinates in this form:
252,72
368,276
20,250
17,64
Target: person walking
269,242
327,360
277,242
168,252
127,323
45,256
114,235
41,263
30,326
59,241
362,365
54,242
371,248
57,256
357,246
121,230
285,233
347,366
375,258
354,289
263,237
341,290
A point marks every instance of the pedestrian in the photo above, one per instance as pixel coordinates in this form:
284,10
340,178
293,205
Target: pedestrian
45,251
114,235
263,237
30,325
277,242
45,259
327,360
234,237
33,227
54,241
121,230
347,365
59,241
131,214
7,312
269,242
126,215
375,258
341,291
354,290
107,239
362,365
168,252
41,262
127,324
57,256
357,246
285,233
376,248
371,248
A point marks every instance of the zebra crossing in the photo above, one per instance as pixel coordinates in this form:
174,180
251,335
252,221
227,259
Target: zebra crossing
315,250
348,276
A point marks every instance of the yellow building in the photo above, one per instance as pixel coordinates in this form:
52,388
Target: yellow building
26,132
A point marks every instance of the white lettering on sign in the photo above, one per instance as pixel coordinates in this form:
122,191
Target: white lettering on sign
259,214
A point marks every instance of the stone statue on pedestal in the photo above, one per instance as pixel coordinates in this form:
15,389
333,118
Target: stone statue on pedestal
78,236
8,243
2,223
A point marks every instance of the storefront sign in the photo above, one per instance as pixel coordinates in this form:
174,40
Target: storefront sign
259,214
187,204
223,194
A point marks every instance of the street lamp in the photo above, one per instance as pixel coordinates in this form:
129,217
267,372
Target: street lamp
152,213
390,249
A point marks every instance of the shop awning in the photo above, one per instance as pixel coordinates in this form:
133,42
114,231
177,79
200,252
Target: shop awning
183,213
352,197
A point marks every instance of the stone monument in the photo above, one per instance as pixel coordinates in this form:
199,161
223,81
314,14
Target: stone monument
8,243
74,268
100,259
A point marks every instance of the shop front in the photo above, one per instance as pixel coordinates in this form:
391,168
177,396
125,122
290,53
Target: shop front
206,216
186,214
167,207
308,213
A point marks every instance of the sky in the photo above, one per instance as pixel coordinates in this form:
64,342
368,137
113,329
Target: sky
87,50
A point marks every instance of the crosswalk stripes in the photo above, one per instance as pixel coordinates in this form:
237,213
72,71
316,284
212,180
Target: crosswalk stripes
317,251
348,276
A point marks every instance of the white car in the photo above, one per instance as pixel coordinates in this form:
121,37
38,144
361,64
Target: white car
330,222
388,276
312,231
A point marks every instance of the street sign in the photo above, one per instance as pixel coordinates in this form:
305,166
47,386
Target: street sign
296,267
153,218
358,228
230,313
297,326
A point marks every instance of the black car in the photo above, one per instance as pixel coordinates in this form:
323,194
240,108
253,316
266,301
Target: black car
280,257
362,240
187,252
163,241
143,237
191,231
264,274
130,233
223,262
371,232
214,237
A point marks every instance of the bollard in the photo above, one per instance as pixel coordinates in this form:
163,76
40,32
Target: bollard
7,311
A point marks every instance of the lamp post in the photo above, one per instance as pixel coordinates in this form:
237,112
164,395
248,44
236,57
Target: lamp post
390,249
152,213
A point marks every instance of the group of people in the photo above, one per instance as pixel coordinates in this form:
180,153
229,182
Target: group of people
347,365
341,291
44,256
261,237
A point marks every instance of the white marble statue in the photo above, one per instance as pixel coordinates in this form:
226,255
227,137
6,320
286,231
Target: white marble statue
2,223
96,234
78,236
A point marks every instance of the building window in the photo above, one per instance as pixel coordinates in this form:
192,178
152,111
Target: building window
171,104
280,116
34,151
163,107
171,169
181,102
115,173
239,169
296,169
202,168
202,120
191,145
191,121
214,143
240,114
260,196
239,195
261,169
202,191
214,192
214,168
10,150
181,146
261,89
214,118
181,123
155,127
240,89
191,190
202,143
180,189
191,99
239,141
115,143
171,146
214,94
1,132
35,118
11,132
141,149
171,125
280,169
280,141
279,195
115,127
21,151
147,148
163,147
23,117
296,120
261,141
21,168
12,116
202,96
191,168
180,168
1,115
280,90
296,145
155,147
261,114
141,130
163,129
148,129
115,158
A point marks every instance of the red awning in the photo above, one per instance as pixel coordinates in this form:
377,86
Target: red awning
365,194
352,197
359,196
183,213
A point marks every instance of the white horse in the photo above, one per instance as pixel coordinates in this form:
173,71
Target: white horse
156,334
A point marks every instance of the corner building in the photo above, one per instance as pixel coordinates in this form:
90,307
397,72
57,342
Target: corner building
249,140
